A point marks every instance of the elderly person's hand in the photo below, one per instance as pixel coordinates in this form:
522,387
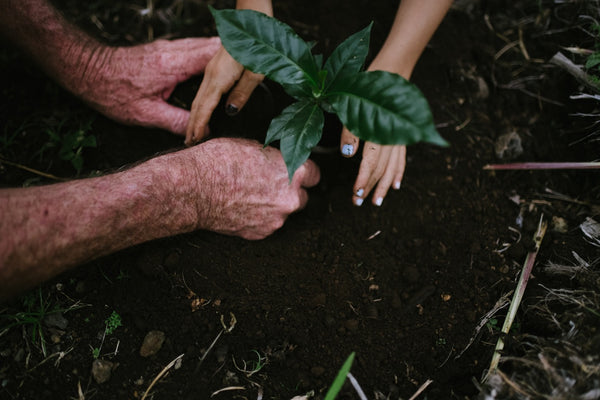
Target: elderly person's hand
132,84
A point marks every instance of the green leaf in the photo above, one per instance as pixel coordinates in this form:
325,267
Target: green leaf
267,46
384,108
299,128
348,57
592,61
339,380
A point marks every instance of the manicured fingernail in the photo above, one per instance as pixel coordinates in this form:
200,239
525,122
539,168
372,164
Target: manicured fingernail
360,192
397,185
358,202
347,149
379,201
231,110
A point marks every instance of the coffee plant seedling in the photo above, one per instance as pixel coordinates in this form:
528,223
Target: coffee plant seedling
377,106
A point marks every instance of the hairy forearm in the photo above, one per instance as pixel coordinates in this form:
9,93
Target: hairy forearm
415,23
63,51
45,230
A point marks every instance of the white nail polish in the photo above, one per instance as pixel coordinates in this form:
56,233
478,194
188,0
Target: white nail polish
360,192
358,202
347,149
379,201
397,185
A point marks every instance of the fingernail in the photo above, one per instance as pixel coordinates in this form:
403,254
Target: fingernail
397,185
360,192
379,201
347,149
231,110
358,202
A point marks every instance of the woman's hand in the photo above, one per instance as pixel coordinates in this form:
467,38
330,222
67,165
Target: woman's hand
220,76
381,165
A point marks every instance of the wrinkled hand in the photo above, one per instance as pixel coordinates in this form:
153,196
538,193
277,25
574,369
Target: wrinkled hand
131,84
244,189
381,165
221,75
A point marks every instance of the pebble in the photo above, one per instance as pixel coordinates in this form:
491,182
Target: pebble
101,370
351,324
317,370
56,320
152,343
508,146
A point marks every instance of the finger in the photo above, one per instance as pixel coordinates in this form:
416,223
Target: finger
189,57
165,116
348,143
202,107
242,91
308,175
401,168
387,178
368,167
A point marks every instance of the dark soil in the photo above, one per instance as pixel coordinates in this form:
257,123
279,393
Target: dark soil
403,285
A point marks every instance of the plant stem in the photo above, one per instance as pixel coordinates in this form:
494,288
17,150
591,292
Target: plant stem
518,296
544,165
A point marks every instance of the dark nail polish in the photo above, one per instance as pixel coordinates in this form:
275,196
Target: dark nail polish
231,110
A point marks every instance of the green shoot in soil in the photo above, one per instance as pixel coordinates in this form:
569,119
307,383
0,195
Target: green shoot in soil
112,322
376,106
339,380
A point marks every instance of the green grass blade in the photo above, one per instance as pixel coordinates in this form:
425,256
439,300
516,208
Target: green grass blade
339,380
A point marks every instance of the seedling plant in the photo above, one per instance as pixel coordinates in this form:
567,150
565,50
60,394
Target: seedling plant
377,106
111,323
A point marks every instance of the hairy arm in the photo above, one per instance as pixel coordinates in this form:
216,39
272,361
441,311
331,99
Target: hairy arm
64,52
47,229
231,186
128,84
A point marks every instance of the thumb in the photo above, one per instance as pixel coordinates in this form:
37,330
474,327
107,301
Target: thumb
348,143
159,114
308,175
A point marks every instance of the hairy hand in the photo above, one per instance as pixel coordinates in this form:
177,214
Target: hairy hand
243,189
131,84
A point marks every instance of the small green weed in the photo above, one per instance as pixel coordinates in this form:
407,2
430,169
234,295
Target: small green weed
36,307
68,137
339,380
112,323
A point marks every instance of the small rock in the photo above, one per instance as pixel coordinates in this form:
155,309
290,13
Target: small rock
318,300
317,371
172,259
351,325
101,370
559,225
56,320
152,343
508,146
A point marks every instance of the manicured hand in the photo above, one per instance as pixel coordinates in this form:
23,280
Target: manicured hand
381,165
131,84
244,189
222,74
